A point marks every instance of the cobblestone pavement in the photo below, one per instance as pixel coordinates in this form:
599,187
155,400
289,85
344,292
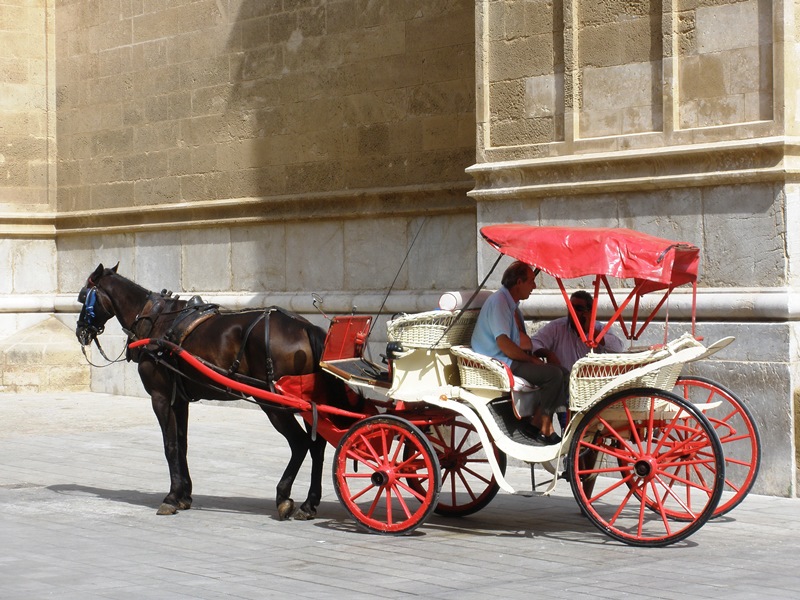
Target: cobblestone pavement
81,477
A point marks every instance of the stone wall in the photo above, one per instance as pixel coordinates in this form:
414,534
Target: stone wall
207,101
27,161
25,99
256,152
561,77
671,117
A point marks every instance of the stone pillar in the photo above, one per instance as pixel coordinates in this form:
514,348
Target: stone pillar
671,117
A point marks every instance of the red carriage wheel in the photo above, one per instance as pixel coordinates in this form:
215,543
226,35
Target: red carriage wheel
643,440
736,430
372,466
468,483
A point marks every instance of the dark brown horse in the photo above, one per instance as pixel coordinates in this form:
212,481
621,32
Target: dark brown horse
260,345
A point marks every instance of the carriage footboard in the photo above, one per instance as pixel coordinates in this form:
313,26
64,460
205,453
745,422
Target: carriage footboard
358,370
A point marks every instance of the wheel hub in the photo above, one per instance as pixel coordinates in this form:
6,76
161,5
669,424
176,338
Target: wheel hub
645,467
379,478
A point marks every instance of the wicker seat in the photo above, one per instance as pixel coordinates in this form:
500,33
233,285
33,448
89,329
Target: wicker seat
480,372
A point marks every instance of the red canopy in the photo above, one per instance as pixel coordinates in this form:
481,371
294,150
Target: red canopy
568,252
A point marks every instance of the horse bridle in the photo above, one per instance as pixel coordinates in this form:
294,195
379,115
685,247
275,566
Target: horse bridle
91,324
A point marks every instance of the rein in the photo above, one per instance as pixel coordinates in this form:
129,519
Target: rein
103,354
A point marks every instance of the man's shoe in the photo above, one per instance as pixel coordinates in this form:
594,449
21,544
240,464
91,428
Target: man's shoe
548,440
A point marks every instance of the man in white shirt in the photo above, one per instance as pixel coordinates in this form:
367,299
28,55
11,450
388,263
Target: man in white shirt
559,341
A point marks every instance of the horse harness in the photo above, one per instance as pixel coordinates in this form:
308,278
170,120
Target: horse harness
187,320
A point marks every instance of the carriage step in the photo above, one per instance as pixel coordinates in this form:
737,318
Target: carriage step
514,429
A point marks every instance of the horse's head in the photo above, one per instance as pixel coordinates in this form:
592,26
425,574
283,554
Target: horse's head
97,308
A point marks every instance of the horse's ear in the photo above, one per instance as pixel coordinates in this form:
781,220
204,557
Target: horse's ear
115,267
98,272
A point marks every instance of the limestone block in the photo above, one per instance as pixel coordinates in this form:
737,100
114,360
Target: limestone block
642,119
6,267
158,261
701,77
206,260
543,16
758,106
744,72
68,378
544,95
743,243
314,256
34,266
113,249
728,26
521,57
449,28
10,324
720,111
580,211
618,43
520,132
444,254
620,100
258,257
76,262
23,380
375,106
670,214
374,250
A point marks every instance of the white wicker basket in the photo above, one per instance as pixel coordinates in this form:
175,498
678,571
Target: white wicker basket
433,329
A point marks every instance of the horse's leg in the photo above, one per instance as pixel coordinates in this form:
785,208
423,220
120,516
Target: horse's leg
181,411
286,424
308,510
173,418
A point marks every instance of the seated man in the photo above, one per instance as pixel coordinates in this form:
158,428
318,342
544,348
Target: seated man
500,333
559,341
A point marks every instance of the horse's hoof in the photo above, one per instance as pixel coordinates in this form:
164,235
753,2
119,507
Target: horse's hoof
167,509
285,509
184,505
303,514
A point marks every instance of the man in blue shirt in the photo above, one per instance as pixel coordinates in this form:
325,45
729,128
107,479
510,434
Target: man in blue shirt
500,333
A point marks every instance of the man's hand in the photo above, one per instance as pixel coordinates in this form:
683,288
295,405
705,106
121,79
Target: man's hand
515,352
549,356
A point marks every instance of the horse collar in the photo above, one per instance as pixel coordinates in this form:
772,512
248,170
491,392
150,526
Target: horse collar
149,313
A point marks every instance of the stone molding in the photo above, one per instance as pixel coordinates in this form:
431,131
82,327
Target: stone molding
719,163
712,303
437,199
27,226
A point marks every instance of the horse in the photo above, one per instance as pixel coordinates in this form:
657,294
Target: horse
258,345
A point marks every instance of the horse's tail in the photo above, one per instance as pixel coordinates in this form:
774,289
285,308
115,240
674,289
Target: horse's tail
316,338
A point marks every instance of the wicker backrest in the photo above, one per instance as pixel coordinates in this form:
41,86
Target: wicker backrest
595,371
478,371
434,329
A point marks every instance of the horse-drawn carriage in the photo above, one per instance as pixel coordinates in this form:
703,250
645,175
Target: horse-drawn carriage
650,456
